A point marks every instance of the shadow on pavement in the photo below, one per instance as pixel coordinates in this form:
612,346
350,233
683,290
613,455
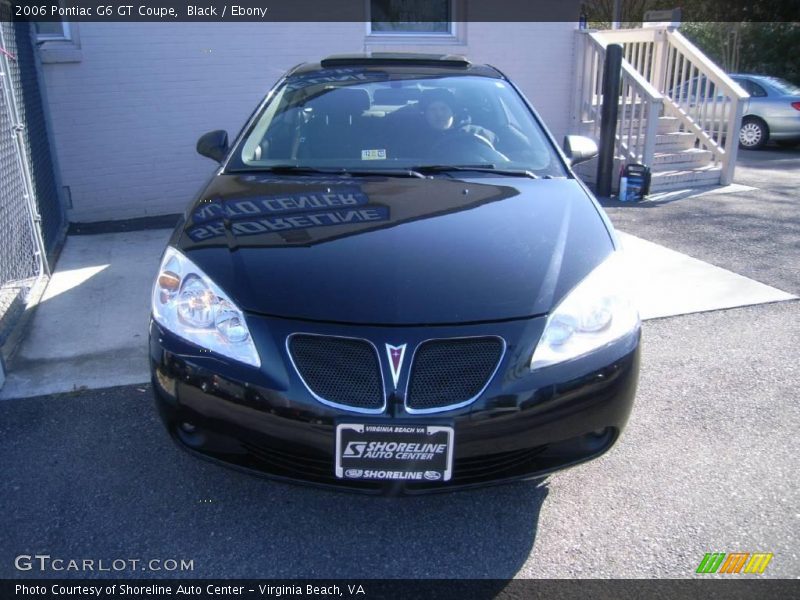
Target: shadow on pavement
94,475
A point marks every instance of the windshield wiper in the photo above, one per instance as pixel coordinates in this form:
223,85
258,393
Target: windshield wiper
481,168
301,170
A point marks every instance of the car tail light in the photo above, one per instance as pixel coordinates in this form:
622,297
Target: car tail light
796,105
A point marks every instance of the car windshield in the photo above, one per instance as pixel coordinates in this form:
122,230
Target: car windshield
783,86
364,120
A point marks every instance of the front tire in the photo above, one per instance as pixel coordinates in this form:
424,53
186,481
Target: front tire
753,134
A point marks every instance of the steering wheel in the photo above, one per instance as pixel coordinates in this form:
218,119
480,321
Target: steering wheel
467,147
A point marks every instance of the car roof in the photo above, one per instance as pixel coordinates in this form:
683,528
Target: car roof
752,76
401,62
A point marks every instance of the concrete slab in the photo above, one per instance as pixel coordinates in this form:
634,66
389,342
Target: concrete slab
90,327
667,283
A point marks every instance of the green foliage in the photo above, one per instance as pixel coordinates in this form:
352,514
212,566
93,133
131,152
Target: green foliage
631,12
719,41
771,48
750,45
765,48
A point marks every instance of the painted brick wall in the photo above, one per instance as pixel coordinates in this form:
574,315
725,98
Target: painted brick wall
127,116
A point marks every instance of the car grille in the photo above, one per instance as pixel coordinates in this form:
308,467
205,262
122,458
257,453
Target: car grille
445,373
341,371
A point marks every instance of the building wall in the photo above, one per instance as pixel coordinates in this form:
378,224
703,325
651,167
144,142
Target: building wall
127,114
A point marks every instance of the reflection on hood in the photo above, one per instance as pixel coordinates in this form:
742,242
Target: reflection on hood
283,212
395,251
272,211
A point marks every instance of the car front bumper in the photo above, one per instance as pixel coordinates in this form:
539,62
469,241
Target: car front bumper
524,425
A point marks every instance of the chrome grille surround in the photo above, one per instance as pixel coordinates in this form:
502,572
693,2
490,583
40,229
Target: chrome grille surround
409,401
319,396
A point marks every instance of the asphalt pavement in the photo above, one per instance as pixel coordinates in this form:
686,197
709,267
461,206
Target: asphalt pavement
755,233
708,462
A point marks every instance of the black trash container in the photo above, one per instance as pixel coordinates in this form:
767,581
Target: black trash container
634,182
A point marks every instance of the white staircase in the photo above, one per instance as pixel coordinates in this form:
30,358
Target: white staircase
677,164
678,112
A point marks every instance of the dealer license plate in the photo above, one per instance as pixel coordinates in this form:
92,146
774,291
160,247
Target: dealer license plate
407,452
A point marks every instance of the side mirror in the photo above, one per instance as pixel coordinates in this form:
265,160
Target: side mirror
213,144
579,148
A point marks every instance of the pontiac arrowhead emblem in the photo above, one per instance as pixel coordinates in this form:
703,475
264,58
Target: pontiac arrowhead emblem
396,355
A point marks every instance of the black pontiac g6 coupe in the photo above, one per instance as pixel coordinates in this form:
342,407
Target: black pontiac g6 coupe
394,283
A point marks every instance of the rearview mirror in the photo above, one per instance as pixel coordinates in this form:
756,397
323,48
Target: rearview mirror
579,148
213,144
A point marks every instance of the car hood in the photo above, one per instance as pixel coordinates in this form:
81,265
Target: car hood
395,251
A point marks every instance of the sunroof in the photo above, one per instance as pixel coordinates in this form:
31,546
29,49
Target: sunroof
396,58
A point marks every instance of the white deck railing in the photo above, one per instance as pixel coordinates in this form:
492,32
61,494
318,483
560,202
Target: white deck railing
640,104
681,82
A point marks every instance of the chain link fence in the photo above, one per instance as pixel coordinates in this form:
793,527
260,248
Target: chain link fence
25,82
27,180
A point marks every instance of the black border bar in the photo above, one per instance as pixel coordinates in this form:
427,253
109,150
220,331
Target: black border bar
734,588
595,11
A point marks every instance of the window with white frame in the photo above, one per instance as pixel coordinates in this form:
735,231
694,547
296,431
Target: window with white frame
58,41
52,30
411,17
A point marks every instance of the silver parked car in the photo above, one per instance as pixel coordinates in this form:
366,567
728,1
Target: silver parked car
771,113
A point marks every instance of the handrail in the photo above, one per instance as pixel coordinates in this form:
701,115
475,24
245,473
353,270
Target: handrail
646,87
640,103
663,72
711,70
705,99
628,36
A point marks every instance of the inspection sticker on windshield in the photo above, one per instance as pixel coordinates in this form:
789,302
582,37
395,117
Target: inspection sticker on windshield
373,154
394,451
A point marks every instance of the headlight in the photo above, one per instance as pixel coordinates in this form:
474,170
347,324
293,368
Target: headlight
190,305
595,313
